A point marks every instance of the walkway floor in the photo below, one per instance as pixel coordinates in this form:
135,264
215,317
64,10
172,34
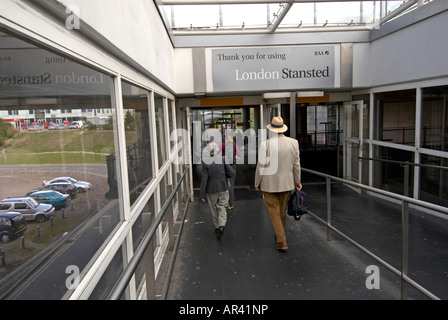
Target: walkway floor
245,265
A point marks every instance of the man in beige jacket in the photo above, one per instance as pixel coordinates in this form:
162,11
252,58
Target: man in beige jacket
277,173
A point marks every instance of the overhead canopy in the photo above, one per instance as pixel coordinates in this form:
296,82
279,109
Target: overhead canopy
274,16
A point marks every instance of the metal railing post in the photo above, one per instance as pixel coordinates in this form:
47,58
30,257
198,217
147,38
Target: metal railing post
406,179
405,248
328,187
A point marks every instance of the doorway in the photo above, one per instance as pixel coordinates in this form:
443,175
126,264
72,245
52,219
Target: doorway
242,123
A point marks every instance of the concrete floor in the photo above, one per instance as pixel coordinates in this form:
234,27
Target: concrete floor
244,264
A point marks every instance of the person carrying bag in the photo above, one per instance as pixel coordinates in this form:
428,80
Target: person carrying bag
277,179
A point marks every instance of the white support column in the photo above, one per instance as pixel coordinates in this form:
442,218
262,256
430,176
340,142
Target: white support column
371,123
418,126
123,187
153,133
166,126
187,115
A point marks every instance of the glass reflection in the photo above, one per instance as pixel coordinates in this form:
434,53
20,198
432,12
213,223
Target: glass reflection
58,117
395,117
139,229
138,140
160,126
434,127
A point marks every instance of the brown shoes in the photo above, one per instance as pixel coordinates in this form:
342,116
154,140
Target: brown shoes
282,246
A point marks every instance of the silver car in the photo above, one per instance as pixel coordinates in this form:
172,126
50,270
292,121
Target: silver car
28,207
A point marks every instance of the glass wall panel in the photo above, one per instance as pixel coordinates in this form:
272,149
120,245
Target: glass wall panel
391,176
109,278
347,11
300,13
434,126
366,113
160,127
434,179
352,161
236,15
395,117
57,123
138,138
186,16
164,192
139,229
171,124
175,173
324,126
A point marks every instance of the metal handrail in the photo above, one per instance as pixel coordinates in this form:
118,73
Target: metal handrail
126,275
403,163
405,228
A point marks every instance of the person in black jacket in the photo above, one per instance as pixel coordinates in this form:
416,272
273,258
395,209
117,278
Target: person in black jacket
214,188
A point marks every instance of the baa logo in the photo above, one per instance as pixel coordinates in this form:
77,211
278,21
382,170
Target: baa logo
322,53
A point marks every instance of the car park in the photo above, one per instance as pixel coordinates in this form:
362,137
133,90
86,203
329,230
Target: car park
12,225
81,186
28,207
55,198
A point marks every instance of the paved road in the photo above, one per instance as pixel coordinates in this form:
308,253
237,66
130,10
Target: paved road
88,168
76,249
48,276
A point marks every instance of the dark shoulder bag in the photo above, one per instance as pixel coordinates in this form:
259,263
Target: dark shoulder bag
297,204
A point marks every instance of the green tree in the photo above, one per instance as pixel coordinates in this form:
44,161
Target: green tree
129,121
6,131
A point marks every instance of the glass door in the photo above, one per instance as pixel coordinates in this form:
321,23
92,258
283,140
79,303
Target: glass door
353,140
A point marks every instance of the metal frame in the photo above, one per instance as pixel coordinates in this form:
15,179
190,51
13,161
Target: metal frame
405,202
205,2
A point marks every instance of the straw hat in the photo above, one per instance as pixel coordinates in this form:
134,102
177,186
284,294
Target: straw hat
277,125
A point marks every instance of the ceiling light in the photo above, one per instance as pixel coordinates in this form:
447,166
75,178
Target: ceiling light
276,95
310,94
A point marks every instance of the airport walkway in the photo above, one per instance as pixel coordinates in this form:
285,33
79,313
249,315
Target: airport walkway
244,264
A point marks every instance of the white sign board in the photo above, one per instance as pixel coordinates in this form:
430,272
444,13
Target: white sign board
272,68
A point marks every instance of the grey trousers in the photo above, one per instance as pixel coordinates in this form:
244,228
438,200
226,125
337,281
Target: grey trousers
217,203
231,191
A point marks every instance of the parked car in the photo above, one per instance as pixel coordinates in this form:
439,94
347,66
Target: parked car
28,207
77,124
62,187
55,198
56,126
35,127
81,186
12,225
